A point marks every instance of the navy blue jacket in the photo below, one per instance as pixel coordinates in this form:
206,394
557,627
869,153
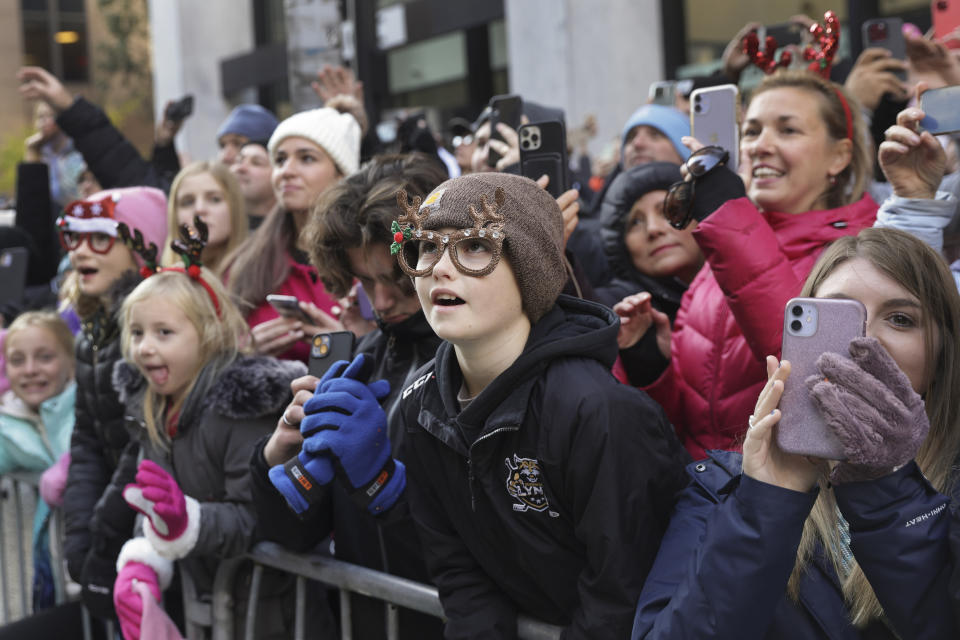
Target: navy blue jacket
725,559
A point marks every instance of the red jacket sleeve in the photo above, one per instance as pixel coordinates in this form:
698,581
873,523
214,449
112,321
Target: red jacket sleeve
753,271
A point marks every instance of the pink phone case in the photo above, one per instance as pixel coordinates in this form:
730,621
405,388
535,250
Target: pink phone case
831,323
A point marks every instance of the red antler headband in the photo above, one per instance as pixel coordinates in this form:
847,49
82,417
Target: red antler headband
189,247
826,39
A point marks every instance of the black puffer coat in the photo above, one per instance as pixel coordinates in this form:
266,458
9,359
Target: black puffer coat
97,523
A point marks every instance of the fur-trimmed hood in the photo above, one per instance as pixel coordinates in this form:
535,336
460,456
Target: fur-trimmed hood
248,387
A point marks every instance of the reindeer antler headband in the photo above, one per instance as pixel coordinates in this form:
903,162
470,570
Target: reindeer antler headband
488,224
826,40
189,246
826,37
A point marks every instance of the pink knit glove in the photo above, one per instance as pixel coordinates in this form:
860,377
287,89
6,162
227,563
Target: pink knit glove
127,602
158,496
54,480
868,402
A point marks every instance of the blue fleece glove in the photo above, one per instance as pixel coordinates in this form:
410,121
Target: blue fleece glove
345,420
301,477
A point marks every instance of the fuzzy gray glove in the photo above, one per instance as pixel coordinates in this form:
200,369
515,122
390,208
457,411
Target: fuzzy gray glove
869,404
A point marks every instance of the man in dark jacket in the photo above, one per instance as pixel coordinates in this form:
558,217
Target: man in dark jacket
539,484
351,240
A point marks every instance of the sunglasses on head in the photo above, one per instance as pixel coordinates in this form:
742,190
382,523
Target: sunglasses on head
678,204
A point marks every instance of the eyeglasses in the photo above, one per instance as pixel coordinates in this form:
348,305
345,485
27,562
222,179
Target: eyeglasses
459,140
97,241
678,205
473,253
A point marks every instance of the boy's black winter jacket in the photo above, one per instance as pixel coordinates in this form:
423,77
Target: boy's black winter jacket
549,493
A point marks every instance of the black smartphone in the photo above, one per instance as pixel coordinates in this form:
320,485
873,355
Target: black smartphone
13,274
543,150
784,33
327,348
663,93
506,109
179,110
887,33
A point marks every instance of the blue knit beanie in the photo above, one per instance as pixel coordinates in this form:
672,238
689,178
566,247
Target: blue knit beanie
251,121
667,120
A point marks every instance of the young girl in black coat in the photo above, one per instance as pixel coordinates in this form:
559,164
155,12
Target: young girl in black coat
196,405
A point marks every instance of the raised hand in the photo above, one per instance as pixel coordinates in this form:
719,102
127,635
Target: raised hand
763,460
913,161
173,519
637,315
345,420
869,403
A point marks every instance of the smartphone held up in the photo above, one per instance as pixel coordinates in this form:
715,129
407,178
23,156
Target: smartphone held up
811,327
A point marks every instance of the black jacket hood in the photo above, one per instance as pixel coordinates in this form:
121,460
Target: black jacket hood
573,328
628,187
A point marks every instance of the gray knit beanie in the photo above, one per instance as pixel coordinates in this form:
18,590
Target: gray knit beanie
533,230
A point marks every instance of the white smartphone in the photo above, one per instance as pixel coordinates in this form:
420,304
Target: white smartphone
940,109
713,119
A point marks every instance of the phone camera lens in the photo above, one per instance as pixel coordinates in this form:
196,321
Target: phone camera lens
534,138
797,310
796,325
942,5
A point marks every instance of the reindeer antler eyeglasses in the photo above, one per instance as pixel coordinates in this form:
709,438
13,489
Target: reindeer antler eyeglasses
474,251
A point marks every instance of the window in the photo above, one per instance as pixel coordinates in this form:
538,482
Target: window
55,37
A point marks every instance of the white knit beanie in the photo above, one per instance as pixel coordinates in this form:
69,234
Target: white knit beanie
337,133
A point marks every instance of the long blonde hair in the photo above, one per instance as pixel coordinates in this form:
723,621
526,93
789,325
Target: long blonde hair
222,336
213,257
920,270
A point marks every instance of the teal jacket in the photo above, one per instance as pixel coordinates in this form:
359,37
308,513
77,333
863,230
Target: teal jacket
32,442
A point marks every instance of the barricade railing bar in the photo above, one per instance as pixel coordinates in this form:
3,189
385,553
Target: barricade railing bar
18,493
394,591
18,500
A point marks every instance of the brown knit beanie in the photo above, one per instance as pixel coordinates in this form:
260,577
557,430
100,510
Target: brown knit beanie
533,230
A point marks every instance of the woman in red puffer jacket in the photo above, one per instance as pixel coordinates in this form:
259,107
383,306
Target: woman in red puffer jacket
805,163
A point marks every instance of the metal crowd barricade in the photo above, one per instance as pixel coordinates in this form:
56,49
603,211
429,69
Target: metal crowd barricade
18,501
348,578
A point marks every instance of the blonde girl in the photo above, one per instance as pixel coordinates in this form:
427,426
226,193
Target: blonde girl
196,404
210,191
